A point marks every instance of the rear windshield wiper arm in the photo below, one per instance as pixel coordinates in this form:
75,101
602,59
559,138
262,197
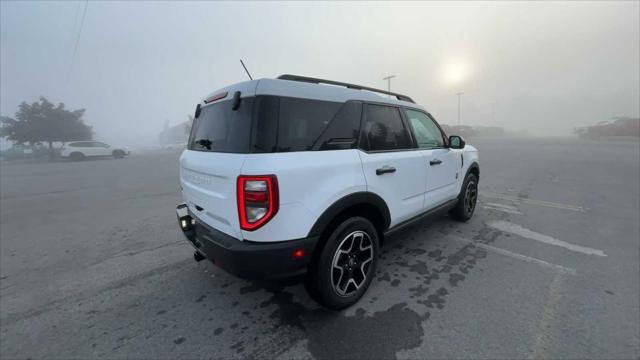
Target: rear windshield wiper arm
205,143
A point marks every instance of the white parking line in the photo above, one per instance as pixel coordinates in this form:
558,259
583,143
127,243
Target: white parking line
534,202
530,234
501,207
556,267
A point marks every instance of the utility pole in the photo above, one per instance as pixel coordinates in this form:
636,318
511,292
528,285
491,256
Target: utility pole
459,94
388,78
493,113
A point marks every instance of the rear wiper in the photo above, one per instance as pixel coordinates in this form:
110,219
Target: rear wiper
205,143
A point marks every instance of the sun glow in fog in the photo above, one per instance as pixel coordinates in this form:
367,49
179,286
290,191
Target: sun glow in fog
455,72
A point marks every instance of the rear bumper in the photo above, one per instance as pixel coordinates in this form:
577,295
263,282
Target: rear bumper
245,259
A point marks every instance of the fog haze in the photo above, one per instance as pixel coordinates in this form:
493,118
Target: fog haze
540,67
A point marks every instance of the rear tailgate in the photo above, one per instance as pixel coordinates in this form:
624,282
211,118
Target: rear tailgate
217,148
209,188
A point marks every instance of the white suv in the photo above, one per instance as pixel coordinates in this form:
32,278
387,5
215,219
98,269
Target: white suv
78,150
297,175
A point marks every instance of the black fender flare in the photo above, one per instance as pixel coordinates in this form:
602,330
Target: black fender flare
474,166
357,198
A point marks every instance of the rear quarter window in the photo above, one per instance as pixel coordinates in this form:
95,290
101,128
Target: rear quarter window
291,124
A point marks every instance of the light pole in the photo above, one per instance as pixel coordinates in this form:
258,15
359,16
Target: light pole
459,94
388,78
493,113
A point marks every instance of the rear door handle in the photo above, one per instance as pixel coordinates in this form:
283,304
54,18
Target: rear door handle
385,169
435,162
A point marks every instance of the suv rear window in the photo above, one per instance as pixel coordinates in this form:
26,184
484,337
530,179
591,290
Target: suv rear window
286,124
221,129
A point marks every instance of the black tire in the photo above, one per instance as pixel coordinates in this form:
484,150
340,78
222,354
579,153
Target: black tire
467,199
76,156
353,248
118,154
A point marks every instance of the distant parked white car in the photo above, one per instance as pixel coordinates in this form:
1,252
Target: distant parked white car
78,150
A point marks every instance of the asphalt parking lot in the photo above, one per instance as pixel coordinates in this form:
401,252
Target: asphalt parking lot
93,265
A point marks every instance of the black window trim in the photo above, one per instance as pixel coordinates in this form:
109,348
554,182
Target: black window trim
442,133
404,123
359,142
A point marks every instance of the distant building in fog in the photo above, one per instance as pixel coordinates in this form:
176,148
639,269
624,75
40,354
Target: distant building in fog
174,136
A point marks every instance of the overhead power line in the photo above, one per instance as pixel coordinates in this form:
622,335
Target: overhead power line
75,48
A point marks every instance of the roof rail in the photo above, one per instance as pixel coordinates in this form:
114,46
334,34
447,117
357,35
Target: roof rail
347,85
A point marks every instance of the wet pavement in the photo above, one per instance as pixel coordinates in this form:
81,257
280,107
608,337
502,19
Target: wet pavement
93,265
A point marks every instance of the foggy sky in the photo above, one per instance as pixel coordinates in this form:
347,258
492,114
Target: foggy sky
547,67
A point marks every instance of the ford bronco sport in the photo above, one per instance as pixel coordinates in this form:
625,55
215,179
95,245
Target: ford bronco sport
297,175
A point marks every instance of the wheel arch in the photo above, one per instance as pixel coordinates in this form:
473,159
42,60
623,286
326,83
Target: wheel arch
365,204
474,168
349,204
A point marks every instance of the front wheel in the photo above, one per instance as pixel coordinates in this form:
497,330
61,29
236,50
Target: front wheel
467,200
118,154
344,270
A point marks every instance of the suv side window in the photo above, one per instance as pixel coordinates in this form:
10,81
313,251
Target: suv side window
342,132
425,130
98,144
284,124
302,121
384,130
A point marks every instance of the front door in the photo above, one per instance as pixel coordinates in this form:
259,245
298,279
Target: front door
443,164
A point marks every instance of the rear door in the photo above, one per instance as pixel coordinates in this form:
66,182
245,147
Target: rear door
392,167
101,149
210,165
86,147
442,163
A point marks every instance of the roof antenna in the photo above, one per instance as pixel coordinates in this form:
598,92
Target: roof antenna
245,69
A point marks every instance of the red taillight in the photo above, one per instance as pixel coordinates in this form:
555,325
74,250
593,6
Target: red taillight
257,200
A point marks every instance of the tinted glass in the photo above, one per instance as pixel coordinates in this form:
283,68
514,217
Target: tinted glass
265,133
384,130
342,132
291,124
302,121
221,129
425,130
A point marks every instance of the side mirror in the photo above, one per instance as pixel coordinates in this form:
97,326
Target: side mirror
456,142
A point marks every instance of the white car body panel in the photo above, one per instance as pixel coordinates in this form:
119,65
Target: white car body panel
100,148
402,190
208,182
310,182
442,179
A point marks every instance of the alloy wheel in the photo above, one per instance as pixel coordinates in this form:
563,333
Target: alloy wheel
351,263
470,197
